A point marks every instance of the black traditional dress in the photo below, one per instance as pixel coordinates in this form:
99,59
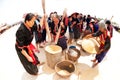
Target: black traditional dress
38,31
24,38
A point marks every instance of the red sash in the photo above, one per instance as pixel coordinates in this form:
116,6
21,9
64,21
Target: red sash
31,48
102,39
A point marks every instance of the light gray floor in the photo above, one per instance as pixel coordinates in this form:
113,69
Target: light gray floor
11,68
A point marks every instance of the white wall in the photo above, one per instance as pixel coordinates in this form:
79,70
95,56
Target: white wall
13,10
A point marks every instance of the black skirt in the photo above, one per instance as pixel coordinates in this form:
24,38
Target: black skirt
76,31
38,37
29,66
62,42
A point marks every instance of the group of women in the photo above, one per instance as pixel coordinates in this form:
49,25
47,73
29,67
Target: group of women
56,26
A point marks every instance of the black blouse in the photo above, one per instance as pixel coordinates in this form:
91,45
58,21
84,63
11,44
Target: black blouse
24,36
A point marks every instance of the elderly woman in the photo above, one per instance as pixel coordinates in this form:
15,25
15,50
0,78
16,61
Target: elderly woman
24,48
105,43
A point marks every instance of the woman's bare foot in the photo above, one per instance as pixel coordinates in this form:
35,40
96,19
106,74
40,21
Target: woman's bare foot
93,60
94,65
41,63
41,45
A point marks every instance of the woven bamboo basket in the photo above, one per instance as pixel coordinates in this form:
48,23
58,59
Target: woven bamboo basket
65,68
73,54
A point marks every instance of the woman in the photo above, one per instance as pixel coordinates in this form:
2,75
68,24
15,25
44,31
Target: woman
62,39
38,34
76,28
105,43
71,33
62,28
24,37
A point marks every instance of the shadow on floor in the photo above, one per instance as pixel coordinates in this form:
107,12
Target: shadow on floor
85,72
58,77
27,76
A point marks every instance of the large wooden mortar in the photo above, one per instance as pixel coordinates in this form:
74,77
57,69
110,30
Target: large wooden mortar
53,55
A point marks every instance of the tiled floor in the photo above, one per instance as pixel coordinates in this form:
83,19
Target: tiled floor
11,68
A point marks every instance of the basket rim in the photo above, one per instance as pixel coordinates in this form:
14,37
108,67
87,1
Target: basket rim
62,61
78,55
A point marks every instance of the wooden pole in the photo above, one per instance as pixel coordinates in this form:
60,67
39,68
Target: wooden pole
111,18
43,6
45,21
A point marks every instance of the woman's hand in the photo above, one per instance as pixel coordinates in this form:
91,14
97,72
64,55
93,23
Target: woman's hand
100,51
62,24
88,36
29,59
26,55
